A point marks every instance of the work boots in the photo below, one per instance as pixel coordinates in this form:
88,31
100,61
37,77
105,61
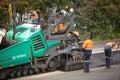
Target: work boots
108,67
86,71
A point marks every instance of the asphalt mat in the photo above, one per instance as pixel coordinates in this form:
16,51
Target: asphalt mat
98,60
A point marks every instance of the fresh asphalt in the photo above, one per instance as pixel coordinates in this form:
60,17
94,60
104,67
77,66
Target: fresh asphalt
98,56
98,71
98,60
97,68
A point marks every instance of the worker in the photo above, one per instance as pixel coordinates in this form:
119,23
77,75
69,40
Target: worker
61,27
67,8
33,14
87,48
73,34
76,33
108,51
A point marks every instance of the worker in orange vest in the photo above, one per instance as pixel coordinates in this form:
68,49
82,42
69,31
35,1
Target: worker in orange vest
61,27
33,14
74,35
87,47
108,51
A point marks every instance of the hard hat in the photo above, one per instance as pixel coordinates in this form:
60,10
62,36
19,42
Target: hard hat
66,7
69,35
63,12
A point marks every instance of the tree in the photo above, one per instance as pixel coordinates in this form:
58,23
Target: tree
102,18
4,16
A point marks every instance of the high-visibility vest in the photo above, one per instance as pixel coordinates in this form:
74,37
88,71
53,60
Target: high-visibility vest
88,44
111,44
59,28
35,14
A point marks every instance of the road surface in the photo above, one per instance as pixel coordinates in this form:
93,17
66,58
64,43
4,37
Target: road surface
97,68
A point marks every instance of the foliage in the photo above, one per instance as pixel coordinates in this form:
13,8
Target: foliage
4,16
101,17
98,18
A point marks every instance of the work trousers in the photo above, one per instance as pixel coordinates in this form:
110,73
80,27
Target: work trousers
108,56
87,55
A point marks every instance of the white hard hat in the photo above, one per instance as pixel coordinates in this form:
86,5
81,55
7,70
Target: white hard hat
63,11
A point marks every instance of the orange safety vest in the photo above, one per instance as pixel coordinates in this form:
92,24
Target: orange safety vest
59,28
35,15
87,45
111,44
